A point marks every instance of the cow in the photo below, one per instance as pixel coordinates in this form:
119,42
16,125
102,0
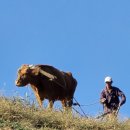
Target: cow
48,82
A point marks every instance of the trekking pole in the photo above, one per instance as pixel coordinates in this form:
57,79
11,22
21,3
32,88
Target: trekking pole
117,111
102,115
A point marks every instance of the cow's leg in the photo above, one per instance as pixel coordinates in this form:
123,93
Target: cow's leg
50,105
39,100
64,104
69,103
37,96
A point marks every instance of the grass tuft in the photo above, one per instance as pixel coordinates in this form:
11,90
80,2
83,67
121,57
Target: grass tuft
19,114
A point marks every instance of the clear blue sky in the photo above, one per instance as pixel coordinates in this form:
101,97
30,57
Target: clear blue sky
90,38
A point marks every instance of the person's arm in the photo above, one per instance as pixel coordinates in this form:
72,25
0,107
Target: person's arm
103,97
122,96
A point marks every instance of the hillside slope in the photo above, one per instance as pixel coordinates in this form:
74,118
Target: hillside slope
17,114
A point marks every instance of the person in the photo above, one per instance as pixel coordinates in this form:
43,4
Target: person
111,97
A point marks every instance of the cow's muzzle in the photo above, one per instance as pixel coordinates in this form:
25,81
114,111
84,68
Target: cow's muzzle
17,83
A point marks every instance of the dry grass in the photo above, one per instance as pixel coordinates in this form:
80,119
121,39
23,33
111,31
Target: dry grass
17,114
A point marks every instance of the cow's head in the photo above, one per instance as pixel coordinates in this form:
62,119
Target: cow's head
25,74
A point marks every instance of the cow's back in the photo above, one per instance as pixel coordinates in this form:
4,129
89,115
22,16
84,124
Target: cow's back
71,83
64,84
55,72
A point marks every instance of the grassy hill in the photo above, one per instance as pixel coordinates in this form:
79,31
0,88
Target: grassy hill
17,114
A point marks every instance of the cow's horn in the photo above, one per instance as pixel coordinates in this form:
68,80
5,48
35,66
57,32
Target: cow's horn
31,66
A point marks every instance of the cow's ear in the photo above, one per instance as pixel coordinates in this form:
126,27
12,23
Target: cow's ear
35,71
69,73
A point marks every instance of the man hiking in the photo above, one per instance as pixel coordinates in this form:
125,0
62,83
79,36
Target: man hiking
110,97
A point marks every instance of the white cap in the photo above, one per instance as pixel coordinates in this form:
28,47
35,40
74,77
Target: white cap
108,79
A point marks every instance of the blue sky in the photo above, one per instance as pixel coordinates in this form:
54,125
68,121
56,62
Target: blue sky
90,38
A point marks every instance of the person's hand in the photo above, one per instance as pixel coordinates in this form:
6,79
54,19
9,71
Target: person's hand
103,100
119,104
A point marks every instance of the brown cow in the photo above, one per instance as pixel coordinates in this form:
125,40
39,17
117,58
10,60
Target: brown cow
49,83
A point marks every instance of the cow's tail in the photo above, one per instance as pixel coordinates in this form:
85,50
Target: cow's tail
74,83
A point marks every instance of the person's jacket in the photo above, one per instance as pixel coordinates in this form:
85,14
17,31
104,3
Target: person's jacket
112,100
